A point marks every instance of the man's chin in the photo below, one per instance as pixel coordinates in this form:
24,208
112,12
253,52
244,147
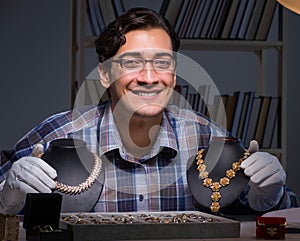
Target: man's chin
149,111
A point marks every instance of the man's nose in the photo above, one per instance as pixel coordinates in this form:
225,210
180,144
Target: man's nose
148,74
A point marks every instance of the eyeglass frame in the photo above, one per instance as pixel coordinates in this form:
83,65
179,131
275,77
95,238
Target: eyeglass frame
145,61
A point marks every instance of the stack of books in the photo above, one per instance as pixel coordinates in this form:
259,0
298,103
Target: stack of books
220,19
243,114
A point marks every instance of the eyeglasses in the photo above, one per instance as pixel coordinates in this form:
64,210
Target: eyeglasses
161,65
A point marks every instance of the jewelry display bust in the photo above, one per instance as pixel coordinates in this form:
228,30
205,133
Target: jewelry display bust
80,174
214,176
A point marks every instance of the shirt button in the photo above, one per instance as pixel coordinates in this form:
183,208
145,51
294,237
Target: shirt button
141,197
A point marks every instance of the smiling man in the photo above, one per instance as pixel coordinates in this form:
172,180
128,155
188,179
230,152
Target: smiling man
144,143
141,79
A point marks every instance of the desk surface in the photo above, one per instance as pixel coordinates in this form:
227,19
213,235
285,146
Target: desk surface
247,233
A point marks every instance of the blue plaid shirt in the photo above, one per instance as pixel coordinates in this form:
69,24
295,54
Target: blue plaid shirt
154,182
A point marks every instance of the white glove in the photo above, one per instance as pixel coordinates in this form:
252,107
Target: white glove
27,175
267,178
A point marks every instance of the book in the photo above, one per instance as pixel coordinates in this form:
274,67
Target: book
221,19
197,101
201,19
238,18
209,19
184,96
108,11
245,115
191,101
237,112
95,17
230,19
253,119
266,20
164,6
246,19
276,142
194,17
230,108
204,91
270,123
119,7
261,124
181,15
187,18
214,20
255,19
220,109
172,11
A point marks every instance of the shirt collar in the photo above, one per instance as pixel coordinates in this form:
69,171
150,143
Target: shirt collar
110,139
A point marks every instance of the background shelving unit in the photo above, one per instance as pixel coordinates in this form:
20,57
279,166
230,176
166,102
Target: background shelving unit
80,42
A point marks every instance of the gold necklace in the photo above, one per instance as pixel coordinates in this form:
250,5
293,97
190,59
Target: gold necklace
64,188
224,181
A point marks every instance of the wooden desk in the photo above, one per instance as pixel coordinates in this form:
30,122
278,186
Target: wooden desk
247,233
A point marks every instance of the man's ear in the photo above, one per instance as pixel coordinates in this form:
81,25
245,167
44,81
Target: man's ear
175,80
104,75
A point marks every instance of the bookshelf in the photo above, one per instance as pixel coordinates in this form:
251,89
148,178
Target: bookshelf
260,47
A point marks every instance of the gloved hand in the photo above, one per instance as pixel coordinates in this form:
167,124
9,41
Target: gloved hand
267,178
27,175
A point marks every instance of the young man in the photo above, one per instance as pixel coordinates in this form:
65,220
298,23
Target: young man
143,144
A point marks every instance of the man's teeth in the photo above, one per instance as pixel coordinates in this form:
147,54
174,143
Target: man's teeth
147,94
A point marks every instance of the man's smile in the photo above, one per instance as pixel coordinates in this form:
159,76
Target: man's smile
146,93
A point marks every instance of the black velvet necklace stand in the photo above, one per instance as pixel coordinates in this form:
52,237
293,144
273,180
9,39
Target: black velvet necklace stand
73,162
218,158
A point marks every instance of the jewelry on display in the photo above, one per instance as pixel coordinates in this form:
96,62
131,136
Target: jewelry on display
84,185
224,181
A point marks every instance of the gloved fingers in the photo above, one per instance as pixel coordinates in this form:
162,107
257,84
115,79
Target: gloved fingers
37,162
36,178
24,187
268,172
263,169
276,179
253,146
37,150
255,161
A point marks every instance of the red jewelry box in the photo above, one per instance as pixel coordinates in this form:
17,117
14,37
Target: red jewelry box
270,227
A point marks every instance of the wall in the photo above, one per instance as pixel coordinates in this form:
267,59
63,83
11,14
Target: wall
35,69
293,107
34,64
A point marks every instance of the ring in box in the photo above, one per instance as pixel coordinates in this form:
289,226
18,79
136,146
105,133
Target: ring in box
42,217
270,227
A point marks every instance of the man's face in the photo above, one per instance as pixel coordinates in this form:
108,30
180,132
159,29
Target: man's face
143,87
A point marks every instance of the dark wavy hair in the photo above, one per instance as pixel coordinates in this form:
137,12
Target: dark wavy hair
113,37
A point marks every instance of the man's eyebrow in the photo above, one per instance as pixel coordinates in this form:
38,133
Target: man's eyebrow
163,54
130,54
140,55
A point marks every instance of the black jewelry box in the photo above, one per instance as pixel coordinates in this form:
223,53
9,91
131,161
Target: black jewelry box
42,217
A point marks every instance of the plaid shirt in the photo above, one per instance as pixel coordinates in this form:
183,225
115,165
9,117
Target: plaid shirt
154,182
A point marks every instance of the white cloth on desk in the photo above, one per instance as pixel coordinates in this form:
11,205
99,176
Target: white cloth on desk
292,216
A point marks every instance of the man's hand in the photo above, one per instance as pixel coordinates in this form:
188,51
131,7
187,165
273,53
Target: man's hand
27,175
267,178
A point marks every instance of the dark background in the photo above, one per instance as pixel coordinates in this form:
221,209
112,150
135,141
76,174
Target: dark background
35,69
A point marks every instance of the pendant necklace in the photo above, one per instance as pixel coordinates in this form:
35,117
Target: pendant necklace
217,185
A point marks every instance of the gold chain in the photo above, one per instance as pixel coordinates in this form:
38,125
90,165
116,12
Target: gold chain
84,185
224,181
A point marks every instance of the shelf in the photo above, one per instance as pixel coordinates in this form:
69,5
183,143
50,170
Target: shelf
228,45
